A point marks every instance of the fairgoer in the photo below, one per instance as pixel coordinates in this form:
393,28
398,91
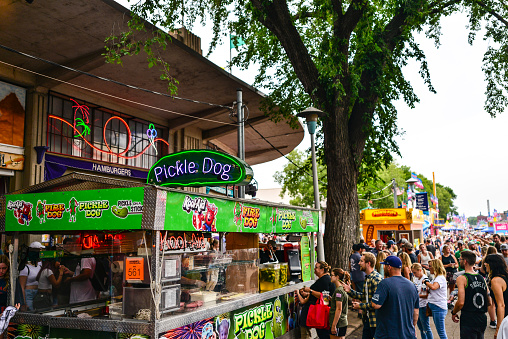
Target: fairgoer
504,252
396,302
437,296
323,283
81,286
423,320
357,275
338,305
498,276
372,280
473,300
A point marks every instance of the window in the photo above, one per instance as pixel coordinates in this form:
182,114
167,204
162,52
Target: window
87,131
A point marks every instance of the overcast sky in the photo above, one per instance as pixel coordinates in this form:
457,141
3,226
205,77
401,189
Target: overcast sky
448,133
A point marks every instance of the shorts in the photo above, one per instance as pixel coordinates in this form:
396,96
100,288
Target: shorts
450,278
341,331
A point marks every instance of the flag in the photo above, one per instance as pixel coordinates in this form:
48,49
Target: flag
235,41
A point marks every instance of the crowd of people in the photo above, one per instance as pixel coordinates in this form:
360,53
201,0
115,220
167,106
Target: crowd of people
396,288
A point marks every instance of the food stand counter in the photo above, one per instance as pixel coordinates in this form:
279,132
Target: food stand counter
392,223
161,275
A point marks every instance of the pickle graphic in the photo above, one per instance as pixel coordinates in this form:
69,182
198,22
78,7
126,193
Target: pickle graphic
120,212
303,223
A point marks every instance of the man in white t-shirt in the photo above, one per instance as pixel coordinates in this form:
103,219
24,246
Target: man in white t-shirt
81,286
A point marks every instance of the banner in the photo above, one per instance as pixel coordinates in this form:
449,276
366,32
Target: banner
266,320
307,269
108,209
185,212
422,201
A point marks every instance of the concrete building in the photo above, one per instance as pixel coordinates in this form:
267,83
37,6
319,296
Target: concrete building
56,120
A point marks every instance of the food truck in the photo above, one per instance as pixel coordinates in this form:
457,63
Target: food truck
158,278
392,224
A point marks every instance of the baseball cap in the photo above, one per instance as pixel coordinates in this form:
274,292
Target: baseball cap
363,245
37,244
460,242
392,261
504,247
408,245
390,243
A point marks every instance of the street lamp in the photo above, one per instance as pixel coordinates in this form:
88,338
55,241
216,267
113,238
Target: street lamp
411,181
311,116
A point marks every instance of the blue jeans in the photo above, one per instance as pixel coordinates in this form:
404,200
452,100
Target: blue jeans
424,324
439,315
30,295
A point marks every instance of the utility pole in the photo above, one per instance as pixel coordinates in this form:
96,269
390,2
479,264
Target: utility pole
488,208
241,137
395,202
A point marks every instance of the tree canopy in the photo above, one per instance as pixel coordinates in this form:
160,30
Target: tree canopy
345,57
296,181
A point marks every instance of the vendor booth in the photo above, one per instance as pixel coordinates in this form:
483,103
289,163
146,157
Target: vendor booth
392,224
154,272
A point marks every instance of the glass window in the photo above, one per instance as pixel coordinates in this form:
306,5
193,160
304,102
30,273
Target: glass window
72,123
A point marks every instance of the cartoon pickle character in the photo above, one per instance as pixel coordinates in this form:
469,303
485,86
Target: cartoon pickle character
73,204
207,332
41,211
238,215
277,318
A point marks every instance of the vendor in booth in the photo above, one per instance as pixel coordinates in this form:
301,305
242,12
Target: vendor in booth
268,255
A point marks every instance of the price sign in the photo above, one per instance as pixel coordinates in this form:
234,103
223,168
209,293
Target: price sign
134,268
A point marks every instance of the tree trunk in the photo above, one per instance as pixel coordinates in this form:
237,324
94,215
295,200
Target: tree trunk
342,211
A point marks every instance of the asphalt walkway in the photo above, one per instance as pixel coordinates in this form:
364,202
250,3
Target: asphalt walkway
452,329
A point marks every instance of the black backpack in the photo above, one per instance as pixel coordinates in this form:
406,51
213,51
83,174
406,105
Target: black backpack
101,278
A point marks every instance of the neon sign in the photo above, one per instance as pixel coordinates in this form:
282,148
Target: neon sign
200,168
84,121
182,242
95,241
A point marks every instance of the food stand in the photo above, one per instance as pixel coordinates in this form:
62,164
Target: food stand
392,223
162,280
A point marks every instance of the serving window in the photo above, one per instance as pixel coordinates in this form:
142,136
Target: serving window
84,274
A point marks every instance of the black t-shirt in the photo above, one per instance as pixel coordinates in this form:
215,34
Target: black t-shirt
413,257
449,260
475,303
432,249
320,285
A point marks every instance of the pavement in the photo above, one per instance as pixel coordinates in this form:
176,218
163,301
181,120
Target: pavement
355,328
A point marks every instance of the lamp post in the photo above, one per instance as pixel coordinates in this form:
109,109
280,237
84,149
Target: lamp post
411,182
311,116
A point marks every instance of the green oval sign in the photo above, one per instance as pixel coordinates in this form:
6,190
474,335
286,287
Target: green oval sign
200,168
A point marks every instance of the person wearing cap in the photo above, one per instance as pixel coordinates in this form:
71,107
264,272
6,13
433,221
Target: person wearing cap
473,300
390,246
372,280
460,245
28,275
504,252
396,302
357,275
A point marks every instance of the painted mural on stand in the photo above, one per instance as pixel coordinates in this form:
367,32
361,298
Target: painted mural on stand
266,320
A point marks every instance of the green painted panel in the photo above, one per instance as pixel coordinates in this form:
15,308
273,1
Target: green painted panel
109,209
